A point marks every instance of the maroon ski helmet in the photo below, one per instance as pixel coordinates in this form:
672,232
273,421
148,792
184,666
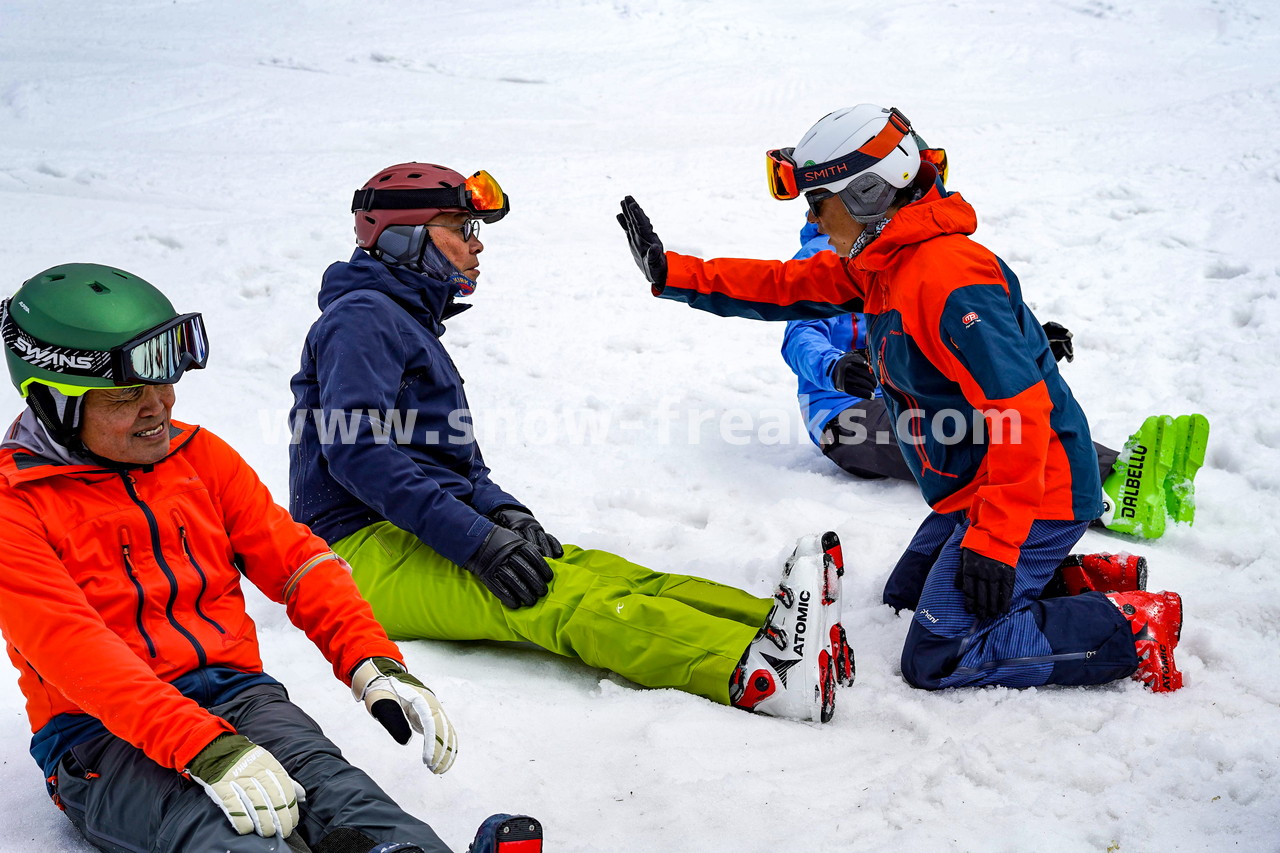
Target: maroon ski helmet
405,176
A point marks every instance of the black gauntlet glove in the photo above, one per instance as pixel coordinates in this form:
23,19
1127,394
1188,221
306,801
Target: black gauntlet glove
530,530
851,374
646,248
987,584
511,568
1059,341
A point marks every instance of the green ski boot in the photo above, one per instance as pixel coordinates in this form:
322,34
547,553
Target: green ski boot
1135,498
1191,436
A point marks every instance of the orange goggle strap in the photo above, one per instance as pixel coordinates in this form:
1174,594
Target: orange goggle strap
788,181
480,195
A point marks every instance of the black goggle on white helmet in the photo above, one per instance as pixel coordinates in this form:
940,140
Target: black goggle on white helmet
837,138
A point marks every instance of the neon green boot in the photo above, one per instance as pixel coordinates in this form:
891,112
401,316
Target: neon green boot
1135,494
1191,436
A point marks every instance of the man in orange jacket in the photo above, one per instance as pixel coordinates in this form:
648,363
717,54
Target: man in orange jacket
125,535
988,427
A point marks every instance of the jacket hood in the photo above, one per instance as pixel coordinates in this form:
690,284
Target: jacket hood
30,436
931,216
421,295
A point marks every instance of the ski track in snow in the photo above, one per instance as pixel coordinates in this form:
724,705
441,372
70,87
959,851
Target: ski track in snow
1122,159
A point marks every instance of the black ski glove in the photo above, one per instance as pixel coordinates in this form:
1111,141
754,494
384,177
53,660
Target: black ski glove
511,568
1059,341
851,374
646,248
987,584
529,529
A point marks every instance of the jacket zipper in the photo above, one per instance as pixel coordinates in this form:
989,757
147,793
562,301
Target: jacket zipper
204,580
137,586
164,567
885,379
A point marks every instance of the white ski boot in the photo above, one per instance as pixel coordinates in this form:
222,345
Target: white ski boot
789,670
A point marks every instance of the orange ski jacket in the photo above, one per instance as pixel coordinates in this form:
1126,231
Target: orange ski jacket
985,421
115,582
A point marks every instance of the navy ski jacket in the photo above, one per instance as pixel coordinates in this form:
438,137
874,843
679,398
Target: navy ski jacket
381,427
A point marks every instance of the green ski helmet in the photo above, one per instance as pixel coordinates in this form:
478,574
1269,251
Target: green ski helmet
76,327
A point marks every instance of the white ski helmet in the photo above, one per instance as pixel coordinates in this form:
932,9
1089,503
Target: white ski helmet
863,154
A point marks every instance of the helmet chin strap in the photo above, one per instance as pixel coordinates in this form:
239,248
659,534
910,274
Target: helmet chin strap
59,413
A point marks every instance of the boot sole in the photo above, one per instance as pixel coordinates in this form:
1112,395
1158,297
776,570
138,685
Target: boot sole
1191,441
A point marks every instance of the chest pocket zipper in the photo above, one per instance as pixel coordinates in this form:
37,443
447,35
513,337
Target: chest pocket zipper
886,380
195,564
137,587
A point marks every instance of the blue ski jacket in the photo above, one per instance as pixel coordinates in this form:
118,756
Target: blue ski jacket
811,347
381,427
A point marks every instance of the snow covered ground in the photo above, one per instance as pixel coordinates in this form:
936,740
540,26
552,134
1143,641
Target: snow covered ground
1123,159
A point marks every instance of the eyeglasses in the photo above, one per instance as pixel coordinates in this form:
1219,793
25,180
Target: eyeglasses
815,198
158,356
480,195
468,229
787,180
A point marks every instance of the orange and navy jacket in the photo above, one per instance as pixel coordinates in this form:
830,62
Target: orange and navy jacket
985,421
116,582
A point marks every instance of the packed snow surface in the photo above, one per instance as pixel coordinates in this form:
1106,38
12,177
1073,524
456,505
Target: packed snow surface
1124,159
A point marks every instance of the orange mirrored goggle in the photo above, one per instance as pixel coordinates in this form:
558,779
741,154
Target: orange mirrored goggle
480,195
938,157
787,180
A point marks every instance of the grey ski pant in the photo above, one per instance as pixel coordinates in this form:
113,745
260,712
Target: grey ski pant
124,802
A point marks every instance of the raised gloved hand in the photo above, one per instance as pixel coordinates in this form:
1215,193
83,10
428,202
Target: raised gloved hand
987,584
851,374
249,785
403,705
1059,341
511,568
646,248
529,529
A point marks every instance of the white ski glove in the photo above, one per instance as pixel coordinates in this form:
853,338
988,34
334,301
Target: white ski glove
249,785
401,702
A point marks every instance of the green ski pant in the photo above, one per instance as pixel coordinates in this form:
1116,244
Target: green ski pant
658,630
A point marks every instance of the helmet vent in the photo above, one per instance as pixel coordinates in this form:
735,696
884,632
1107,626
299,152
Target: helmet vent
55,277
99,287
415,175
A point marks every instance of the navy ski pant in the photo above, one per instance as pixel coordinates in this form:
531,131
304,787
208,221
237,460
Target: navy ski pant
124,802
1076,640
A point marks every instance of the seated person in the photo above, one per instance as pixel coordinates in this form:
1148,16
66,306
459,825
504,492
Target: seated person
125,537
438,548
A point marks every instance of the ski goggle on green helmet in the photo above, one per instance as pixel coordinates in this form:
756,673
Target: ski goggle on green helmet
78,327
